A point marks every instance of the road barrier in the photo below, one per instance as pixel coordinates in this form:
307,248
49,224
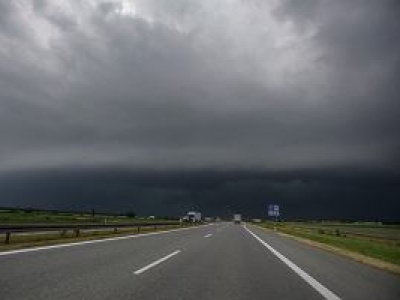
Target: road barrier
7,230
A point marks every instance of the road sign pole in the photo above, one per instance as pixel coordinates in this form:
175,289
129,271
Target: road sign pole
273,212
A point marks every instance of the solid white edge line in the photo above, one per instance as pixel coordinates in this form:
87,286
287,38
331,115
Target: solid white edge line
34,249
155,263
325,292
208,235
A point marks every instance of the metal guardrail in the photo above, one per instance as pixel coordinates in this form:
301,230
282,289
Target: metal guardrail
77,228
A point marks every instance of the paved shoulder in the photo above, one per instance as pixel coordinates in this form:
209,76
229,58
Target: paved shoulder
349,279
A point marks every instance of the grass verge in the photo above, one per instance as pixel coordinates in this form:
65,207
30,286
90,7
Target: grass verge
371,252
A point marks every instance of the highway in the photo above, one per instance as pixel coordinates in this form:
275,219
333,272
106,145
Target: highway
217,261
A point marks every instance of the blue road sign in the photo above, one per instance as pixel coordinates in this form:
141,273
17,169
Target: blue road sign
273,210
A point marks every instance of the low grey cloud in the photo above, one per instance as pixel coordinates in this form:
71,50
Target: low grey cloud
267,86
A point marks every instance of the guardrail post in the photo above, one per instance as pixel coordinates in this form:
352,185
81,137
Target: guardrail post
115,230
138,229
77,232
63,233
8,235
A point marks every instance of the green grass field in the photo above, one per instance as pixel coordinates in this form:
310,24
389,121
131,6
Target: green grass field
20,216
23,240
373,240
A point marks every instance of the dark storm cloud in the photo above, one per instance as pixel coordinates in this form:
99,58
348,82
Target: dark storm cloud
337,194
277,87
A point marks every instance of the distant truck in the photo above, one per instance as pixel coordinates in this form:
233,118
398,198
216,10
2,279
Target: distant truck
237,218
192,216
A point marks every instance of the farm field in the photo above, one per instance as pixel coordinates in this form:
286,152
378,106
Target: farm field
376,231
370,239
31,216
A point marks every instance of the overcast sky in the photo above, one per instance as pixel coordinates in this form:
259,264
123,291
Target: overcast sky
221,106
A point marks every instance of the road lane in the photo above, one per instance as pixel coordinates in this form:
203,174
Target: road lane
230,265
86,271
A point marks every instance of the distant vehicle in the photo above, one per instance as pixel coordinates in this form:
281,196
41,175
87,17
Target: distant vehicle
237,218
192,216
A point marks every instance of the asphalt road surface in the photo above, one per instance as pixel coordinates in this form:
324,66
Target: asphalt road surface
219,261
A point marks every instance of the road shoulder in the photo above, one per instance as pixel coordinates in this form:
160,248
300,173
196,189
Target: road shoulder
376,263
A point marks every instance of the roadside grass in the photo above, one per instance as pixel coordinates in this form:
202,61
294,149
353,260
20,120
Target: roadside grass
24,216
385,250
27,216
46,239
386,234
13,216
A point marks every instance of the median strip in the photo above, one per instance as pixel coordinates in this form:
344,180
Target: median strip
155,263
325,292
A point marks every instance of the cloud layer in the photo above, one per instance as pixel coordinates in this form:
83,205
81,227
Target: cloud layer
194,84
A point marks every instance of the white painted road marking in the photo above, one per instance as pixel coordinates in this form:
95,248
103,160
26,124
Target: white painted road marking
306,277
93,241
208,235
153,264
